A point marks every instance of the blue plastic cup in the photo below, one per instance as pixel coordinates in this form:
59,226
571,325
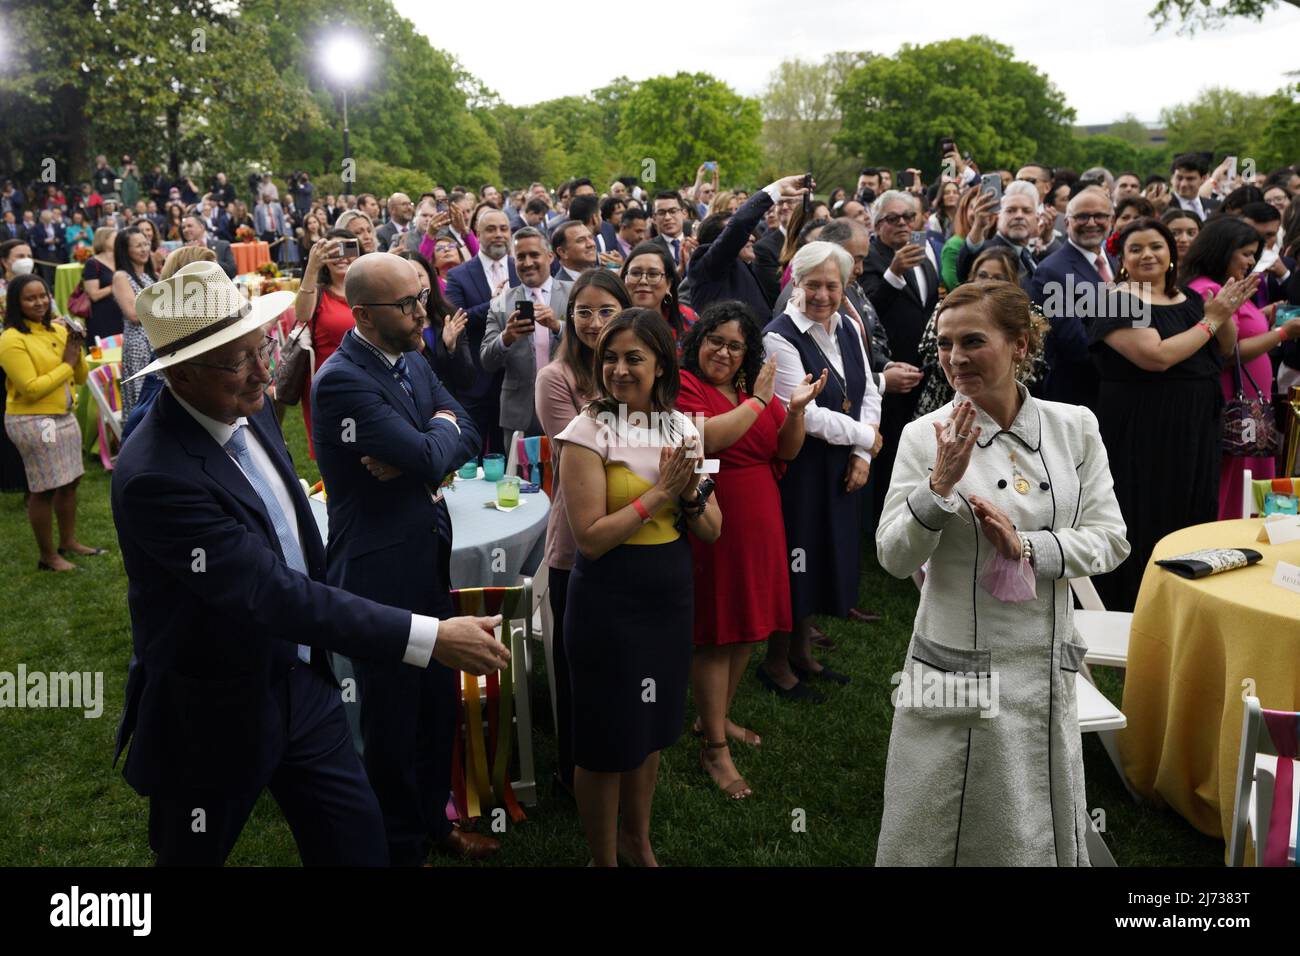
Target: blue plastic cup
494,467
469,469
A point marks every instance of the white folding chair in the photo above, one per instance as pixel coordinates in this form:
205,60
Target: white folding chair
543,628
1247,494
99,381
512,453
1256,772
1105,632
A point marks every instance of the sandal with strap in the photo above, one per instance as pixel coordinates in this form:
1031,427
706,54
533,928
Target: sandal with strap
749,737
738,789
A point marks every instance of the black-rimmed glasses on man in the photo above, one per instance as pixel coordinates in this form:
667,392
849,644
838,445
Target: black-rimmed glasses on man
406,305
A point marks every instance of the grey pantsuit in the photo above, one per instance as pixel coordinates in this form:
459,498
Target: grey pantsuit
1005,789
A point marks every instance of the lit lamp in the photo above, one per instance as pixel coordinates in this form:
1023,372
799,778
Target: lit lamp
345,60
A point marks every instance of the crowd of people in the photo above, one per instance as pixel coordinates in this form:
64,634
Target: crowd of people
1005,379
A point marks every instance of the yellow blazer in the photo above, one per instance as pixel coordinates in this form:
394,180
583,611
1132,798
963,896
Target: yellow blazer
35,374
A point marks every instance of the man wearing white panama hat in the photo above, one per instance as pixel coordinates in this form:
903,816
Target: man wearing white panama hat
229,691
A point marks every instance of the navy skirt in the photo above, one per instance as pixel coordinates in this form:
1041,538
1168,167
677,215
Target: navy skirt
822,531
627,636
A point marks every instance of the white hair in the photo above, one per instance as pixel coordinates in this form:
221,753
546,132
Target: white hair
1020,188
814,254
891,195
1100,173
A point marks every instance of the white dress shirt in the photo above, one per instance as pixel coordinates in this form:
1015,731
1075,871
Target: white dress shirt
490,270
918,272
835,428
424,630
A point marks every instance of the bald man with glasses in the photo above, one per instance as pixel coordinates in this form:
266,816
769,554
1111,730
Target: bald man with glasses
386,434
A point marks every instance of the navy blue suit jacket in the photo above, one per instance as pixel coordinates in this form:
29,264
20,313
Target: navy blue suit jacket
383,540
1072,377
467,288
215,610
717,272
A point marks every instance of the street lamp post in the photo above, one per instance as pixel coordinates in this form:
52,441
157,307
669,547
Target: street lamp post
344,60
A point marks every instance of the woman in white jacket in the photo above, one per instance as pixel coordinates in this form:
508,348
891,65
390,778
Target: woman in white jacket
1006,498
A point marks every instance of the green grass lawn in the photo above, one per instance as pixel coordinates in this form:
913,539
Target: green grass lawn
61,803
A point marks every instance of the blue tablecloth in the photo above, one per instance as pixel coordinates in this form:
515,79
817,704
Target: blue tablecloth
490,548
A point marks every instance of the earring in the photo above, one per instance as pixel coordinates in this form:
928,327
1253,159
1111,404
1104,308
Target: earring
741,383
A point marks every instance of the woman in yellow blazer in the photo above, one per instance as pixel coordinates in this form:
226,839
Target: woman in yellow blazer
42,359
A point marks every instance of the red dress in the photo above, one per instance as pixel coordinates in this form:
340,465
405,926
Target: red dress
332,321
742,583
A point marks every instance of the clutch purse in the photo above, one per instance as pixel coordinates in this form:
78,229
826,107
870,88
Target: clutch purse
1200,564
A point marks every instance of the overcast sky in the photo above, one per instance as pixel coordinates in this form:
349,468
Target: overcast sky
1104,55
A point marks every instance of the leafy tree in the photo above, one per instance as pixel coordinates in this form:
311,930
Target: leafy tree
1194,14
1279,141
171,81
1119,156
1220,120
801,117
678,122
1000,109
1130,130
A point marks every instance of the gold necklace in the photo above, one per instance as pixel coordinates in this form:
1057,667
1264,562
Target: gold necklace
1018,481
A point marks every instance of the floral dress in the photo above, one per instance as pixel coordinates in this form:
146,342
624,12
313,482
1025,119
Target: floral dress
136,350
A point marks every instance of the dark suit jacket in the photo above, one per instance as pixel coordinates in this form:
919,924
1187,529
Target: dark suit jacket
902,312
610,235
36,239
215,610
467,288
1070,290
1208,206
667,247
384,535
966,258
717,272
767,263
225,255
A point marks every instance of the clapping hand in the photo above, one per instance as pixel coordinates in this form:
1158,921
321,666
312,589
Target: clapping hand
1221,306
452,328
955,440
805,392
765,381
1158,195
676,471
997,527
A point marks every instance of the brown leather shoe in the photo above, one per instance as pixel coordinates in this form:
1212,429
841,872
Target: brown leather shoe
865,617
465,845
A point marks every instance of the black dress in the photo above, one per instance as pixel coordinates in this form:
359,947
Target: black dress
1161,431
13,476
105,316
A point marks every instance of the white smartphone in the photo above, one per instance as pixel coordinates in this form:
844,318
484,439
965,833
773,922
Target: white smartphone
1230,170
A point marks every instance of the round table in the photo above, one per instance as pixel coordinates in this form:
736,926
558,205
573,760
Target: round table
1196,648
250,255
490,548
66,278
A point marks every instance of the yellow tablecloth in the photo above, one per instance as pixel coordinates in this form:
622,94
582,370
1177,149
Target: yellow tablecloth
1193,645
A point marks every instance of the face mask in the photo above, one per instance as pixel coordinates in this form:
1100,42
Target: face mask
22,267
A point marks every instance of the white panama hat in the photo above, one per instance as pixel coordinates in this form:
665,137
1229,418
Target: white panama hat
197,310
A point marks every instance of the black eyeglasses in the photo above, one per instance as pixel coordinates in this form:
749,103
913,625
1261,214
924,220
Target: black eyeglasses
718,343
894,219
1089,216
406,305
263,354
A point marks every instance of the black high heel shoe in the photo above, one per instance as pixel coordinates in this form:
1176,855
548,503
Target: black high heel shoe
42,566
825,673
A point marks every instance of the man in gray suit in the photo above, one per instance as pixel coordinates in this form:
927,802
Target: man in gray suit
400,213
520,345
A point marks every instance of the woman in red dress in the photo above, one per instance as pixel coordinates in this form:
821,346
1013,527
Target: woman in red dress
742,583
322,305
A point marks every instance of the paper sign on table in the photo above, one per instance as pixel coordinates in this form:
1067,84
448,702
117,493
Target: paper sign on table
1287,576
1280,529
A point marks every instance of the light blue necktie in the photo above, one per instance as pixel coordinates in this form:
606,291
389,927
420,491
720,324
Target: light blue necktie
237,446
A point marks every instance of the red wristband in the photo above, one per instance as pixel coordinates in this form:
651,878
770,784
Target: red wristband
642,510
758,406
